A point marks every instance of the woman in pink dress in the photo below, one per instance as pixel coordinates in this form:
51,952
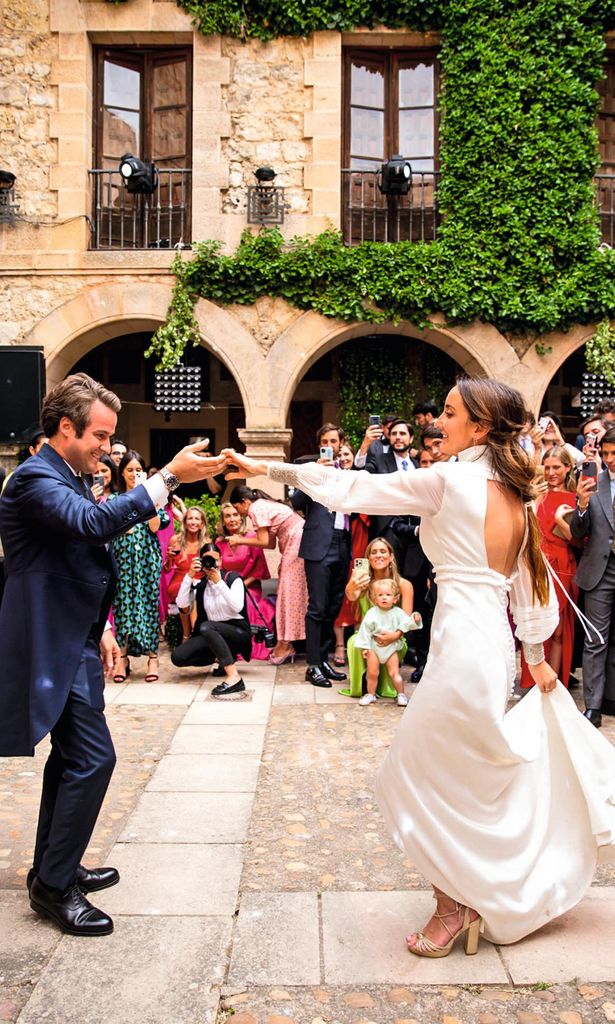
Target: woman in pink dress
251,564
275,521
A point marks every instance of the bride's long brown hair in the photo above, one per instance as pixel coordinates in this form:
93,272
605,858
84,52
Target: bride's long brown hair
502,410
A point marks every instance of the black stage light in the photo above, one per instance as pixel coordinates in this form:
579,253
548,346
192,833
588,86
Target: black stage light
138,177
178,390
395,176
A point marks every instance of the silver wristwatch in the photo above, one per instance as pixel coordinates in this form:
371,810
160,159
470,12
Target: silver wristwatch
169,479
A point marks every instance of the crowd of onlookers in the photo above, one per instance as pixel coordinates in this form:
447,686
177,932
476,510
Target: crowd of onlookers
354,594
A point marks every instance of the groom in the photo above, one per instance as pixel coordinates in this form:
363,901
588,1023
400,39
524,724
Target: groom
53,635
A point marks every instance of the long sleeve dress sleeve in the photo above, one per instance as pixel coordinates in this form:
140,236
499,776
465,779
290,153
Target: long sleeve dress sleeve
390,494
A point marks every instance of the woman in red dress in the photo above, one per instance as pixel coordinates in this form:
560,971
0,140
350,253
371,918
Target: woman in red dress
251,564
557,546
183,548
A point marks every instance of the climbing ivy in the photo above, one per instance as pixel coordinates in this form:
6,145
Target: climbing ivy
600,352
374,379
519,243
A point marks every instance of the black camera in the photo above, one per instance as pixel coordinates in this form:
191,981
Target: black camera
262,635
207,560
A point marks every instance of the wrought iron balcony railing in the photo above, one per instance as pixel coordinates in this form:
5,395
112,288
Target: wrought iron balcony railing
369,216
124,221
605,199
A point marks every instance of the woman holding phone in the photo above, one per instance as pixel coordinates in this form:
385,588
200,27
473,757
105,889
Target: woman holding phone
378,564
139,561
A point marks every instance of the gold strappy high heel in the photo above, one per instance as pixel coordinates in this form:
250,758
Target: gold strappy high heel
471,929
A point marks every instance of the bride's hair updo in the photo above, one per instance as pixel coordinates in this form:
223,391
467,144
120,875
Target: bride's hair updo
502,410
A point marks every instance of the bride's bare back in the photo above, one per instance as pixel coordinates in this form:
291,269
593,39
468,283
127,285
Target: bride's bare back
504,528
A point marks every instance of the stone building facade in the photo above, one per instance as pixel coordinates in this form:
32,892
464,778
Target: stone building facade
251,104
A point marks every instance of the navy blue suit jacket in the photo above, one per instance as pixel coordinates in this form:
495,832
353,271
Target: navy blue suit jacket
59,587
318,529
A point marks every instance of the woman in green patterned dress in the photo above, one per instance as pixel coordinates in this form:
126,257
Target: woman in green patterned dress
139,559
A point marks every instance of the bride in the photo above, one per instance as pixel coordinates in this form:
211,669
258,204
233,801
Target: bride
507,814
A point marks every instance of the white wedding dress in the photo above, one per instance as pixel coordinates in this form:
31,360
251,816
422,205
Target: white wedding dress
507,812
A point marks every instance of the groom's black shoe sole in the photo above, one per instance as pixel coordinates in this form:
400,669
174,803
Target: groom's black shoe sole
593,716
88,881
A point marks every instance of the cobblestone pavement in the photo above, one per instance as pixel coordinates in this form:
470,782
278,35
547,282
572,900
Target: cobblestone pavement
465,1004
315,834
140,735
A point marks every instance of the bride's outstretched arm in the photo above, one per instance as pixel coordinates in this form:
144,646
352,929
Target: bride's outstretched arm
419,492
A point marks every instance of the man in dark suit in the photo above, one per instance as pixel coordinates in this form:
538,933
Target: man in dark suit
594,519
396,459
60,582
325,549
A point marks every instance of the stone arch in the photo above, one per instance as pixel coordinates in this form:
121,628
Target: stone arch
478,348
103,311
538,371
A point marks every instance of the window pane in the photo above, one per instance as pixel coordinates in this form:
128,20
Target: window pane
367,133
367,86
169,134
422,167
416,86
356,164
122,87
416,136
121,132
170,84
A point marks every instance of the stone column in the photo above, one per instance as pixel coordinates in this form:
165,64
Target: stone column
271,444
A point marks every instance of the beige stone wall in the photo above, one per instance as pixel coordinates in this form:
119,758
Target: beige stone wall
253,104
27,98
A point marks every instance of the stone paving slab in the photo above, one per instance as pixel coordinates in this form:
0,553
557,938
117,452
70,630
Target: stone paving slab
303,693
189,818
141,736
179,880
276,941
205,773
218,739
231,712
28,941
157,693
150,971
363,939
579,944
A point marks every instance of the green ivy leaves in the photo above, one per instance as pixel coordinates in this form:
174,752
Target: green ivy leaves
519,243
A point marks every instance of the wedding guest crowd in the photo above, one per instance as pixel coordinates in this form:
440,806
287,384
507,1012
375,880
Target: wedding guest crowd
326,563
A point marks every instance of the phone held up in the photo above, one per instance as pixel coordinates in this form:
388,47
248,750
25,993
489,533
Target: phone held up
361,566
327,453
589,471
99,479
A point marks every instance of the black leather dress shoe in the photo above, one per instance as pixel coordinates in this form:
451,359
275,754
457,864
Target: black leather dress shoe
88,880
218,671
316,677
608,707
593,716
70,910
331,673
224,688
417,675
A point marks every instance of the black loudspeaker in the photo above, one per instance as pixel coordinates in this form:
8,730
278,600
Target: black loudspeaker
22,388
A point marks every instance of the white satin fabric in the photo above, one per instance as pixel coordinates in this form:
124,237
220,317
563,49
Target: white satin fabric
506,812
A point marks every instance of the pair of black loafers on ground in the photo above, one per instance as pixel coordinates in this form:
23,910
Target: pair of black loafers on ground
71,910
321,675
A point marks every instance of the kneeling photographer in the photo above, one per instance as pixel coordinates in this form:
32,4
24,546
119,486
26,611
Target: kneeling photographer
221,630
